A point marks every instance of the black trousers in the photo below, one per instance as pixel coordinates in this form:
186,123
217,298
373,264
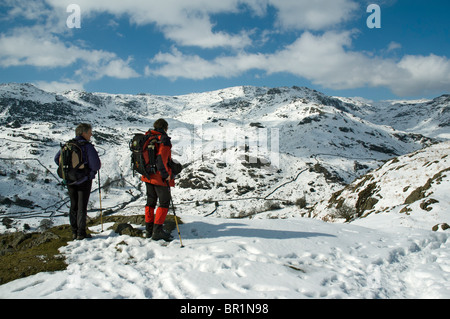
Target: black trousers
79,199
155,192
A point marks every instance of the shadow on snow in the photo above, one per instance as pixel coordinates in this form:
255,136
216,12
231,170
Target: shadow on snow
205,230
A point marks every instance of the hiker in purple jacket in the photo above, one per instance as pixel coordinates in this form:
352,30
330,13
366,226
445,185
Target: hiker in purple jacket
80,190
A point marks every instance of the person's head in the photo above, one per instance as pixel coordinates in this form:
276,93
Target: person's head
84,130
161,124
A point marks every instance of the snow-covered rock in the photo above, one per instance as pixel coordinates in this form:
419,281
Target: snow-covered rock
410,190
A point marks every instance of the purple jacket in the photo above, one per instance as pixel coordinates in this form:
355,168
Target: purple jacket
90,158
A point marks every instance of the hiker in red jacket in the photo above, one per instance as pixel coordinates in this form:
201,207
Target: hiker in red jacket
158,185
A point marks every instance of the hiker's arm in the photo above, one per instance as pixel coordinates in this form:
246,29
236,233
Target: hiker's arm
57,157
162,160
93,160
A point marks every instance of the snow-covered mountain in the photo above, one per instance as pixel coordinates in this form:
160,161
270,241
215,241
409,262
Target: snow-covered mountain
427,117
274,155
412,190
247,150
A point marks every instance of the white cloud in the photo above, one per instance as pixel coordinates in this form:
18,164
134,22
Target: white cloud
188,23
24,48
59,86
320,58
323,59
393,46
27,47
427,74
30,10
199,33
176,65
313,15
119,69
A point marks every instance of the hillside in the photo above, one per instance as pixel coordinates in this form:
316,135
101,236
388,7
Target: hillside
427,117
257,162
241,146
411,189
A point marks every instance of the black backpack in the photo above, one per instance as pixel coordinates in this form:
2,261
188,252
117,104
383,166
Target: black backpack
71,166
143,149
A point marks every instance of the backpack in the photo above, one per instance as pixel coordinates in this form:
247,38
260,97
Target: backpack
143,153
71,165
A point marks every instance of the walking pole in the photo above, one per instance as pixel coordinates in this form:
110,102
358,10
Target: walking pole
175,215
100,197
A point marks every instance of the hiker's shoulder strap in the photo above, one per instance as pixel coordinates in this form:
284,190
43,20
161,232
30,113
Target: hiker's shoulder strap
153,135
79,142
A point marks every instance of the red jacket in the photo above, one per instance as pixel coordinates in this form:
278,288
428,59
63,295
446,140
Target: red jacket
163,157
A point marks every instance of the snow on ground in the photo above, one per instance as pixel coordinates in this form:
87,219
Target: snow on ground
385,255
251,258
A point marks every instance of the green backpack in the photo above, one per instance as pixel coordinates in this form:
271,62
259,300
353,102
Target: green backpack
71,166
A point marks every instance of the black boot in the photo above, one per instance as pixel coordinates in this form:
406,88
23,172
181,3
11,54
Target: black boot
159,233
148,230
83,236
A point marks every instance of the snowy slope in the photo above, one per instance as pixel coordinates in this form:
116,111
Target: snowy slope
249,152
229,258
427,117
412,190
243,142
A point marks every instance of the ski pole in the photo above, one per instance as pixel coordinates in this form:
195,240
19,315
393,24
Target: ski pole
100,198
175,215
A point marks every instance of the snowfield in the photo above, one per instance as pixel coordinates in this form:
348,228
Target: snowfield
257,258
245,211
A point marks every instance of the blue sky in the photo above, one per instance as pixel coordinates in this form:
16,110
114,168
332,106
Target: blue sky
175,47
